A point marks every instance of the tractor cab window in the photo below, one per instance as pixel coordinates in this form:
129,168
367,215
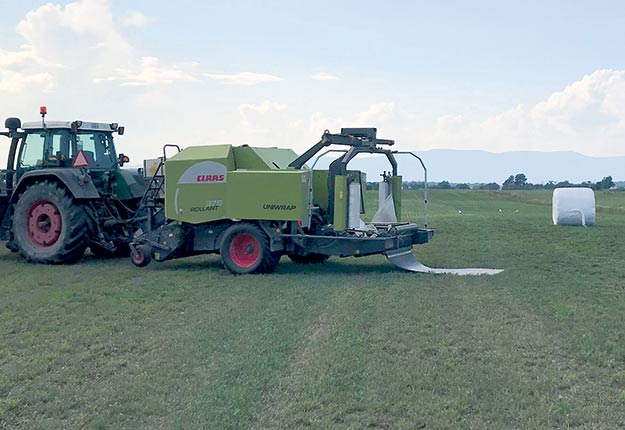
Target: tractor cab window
98,148
58,146
32,151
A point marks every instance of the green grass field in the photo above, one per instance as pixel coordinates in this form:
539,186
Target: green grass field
351,344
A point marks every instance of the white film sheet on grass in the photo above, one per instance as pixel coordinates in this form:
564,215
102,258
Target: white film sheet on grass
573,206
404,258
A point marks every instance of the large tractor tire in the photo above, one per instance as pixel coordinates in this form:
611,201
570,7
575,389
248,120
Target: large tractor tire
49,226
311,258
245,249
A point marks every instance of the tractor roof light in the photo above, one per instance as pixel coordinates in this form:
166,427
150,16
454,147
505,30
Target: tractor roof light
43,111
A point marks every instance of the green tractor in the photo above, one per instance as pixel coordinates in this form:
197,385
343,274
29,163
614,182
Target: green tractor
254,205
64,190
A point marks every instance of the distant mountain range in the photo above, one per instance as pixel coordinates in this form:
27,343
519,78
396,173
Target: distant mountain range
458,166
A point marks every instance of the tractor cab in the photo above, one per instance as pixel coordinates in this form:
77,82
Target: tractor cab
58,144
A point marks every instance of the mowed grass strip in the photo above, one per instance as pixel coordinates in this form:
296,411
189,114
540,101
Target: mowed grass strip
354,343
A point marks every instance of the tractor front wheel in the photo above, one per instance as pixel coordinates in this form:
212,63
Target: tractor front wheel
49,226
245,249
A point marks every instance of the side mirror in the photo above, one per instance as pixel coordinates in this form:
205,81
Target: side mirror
120,130
13,124
122,159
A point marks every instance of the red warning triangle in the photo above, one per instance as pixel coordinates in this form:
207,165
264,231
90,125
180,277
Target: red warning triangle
80,160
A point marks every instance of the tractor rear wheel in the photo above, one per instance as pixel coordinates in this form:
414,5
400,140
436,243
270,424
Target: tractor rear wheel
245,249
49,226
312,258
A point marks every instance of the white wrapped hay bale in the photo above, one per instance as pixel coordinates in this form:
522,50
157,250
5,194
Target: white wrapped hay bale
573,206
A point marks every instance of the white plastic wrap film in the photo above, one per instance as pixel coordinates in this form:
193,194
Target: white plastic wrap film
386,211
405,259
353,209
573,206
386,206
384,190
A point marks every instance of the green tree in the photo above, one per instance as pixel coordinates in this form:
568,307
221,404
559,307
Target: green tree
605,184
489,186
508,184
520,181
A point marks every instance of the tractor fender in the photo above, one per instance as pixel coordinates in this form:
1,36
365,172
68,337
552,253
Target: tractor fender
72,179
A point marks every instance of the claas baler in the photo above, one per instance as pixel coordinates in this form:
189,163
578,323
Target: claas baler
254,205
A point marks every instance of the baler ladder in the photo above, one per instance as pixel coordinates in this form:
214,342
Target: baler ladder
158,180
154,188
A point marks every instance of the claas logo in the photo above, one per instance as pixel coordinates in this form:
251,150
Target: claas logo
210,178
204,172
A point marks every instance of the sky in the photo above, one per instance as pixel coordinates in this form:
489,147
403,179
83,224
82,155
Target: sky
490,75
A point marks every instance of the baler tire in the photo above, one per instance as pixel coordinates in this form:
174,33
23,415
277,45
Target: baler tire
312,258
141,256
245,249
51,205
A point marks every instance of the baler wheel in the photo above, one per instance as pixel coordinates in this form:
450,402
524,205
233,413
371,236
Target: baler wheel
245,249
49,226
141,256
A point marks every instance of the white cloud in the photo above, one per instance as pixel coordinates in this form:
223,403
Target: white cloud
18,59
323,76
12,82
57,41
262,108
587,116
136,19
378,115
242,78
150,72
23,70
378,112
64,34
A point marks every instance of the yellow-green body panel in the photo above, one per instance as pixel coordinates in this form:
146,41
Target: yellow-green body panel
340,202
210,183
321,192
219,153
250,158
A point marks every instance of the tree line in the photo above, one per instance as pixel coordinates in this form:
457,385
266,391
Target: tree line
513,182
519,182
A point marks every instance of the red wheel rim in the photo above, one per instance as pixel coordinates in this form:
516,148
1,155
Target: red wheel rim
43,224
138,256
244,250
